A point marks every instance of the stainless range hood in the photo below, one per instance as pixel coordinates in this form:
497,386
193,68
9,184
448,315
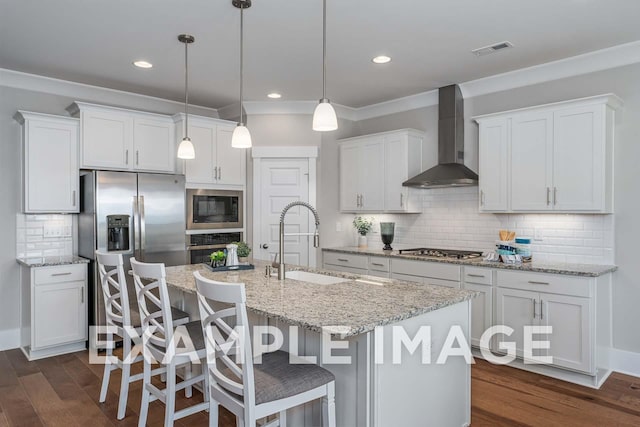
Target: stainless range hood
450,171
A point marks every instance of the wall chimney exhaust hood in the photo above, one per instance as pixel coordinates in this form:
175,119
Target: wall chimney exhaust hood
450,171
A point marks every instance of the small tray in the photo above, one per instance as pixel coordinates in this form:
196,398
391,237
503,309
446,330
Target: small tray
231,267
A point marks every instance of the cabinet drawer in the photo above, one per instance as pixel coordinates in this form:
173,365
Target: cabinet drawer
481,276
426,269
348,260
378,264
541,282
407,278
440,282
344,269
60,274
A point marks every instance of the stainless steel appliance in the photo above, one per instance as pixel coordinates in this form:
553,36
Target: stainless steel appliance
201,245
139,215
214,209
441,253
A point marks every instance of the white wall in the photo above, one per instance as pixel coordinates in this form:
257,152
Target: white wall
622,81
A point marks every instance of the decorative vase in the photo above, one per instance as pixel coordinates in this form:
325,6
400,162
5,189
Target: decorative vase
362,241
386,233
232,255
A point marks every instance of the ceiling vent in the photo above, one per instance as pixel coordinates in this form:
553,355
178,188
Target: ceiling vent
481,51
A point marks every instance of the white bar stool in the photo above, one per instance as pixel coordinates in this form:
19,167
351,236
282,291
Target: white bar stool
253,391
170,347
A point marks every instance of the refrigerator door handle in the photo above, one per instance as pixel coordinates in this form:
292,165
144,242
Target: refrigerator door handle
136,227
142,227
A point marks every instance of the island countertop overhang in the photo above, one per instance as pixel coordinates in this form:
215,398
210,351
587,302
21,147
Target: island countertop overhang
353,307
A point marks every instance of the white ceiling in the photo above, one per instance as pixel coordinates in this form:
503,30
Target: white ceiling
95,41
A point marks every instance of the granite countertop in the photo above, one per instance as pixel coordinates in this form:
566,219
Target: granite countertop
345,309
586,270
49,261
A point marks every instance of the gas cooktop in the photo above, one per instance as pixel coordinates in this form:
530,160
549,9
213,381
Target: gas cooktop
441,253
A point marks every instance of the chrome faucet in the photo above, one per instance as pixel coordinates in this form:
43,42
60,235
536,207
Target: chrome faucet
316,236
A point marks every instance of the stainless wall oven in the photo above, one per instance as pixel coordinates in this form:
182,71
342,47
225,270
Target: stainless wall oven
214,209
201,245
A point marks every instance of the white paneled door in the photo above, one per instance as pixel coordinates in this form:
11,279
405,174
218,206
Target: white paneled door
282,181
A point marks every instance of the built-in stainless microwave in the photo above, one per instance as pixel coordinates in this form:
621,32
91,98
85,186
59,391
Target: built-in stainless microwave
214,209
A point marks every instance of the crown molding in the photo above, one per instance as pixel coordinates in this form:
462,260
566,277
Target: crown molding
398,105
283,107
103,95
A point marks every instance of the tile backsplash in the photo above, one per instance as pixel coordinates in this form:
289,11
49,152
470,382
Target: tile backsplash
451,220
44,235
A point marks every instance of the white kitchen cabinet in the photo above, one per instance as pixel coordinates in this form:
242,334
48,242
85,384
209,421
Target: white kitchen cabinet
559,157
54,310
119,139
479,280
373,168
50,175
217,163
514,308
494,164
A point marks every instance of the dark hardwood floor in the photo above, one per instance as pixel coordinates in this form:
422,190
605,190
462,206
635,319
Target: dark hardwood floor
64,390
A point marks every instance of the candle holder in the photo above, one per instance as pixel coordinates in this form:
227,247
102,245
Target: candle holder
387,232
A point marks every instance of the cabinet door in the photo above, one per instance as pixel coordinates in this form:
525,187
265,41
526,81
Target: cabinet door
51,166
350,156
371,173
59,313
230,161
396,149
515,308
493,165
107,140
153,145
201,169
531,161
481,311
571,338
578,159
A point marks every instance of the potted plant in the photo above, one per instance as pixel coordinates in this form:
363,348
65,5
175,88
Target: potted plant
243,251
363,226
217,259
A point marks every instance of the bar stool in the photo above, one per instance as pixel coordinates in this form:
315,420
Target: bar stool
119,318
253,391
161,344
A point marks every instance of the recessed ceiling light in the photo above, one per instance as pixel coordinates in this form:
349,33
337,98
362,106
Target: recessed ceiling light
274,95
143,64
382,59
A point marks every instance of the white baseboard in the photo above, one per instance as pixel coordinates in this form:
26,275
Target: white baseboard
9,339
625,362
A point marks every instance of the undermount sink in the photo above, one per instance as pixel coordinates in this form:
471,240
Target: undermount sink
318,279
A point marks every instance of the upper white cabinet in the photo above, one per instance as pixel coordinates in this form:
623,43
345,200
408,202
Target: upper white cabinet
50,163
373,168
556,157
119,139
217,163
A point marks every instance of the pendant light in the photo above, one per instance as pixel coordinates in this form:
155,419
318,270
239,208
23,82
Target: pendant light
324,117
241,138
185,149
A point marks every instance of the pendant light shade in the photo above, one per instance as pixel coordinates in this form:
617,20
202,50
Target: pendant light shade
185,149
241,138
324,116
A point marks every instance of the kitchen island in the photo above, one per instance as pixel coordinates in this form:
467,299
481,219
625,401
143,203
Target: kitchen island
361,315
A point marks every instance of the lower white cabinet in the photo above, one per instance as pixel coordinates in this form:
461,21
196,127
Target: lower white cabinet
54,310
479,280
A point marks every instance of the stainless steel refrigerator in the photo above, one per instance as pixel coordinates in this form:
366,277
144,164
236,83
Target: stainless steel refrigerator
139,215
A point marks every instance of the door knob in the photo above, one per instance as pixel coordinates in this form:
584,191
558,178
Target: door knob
265,246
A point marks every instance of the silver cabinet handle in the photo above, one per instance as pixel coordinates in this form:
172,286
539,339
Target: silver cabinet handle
541,310
555,196
343,260
137,157
362,200
220,172
73,198
533,282
401,200
534,308
61,274
215,173
476,275
548,196
265,246
377,264
126,157
481,198
357,200
82,295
